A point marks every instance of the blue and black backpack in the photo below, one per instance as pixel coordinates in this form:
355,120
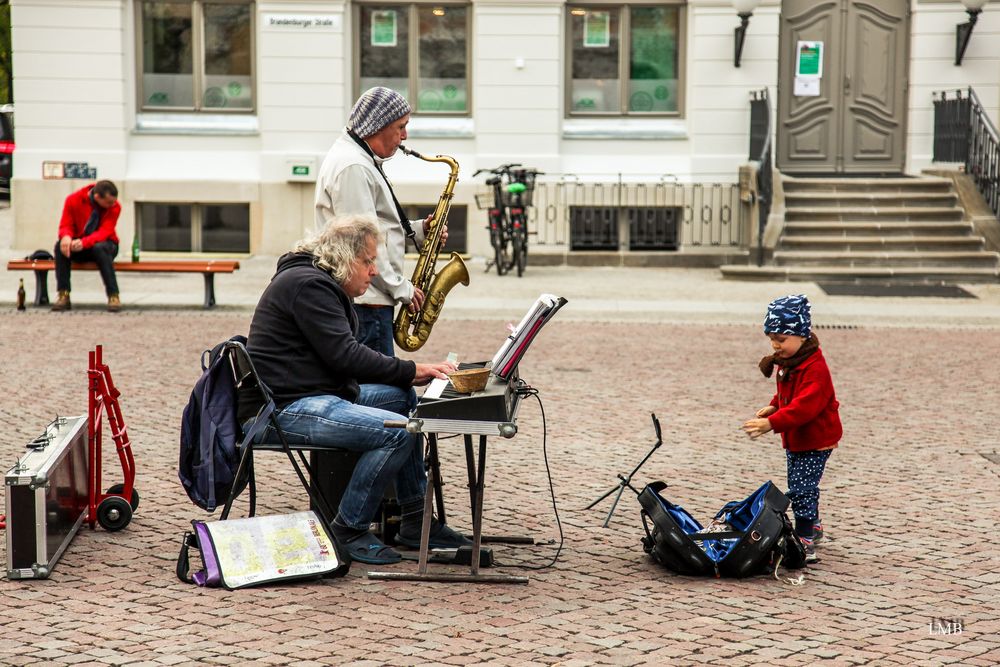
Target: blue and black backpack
746,537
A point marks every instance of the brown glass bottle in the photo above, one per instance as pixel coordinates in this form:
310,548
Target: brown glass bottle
20,295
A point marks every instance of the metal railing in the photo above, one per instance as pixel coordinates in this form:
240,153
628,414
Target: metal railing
964,133
706,213
760,150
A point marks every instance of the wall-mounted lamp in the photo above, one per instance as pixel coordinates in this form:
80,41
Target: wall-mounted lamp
963,31
744,9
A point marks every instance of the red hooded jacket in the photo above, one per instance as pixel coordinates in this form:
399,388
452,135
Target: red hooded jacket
807,417
76,212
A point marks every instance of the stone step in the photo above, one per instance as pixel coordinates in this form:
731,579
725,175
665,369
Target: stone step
860,274
866,184
871,213
879,199
845,242
862,258
878,228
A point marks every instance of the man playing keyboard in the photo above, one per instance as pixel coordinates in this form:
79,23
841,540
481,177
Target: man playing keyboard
329,388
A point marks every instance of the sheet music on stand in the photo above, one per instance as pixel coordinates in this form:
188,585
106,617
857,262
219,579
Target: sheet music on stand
509,355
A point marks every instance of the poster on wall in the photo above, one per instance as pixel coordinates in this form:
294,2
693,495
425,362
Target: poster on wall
809,60
597,30
383,27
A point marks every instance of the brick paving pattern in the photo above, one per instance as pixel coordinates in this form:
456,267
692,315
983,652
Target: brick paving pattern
910,505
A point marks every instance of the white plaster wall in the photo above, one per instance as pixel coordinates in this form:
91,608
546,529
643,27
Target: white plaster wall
69,78
517,110
933,69
718,109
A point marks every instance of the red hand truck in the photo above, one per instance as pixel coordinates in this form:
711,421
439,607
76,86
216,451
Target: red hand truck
114,509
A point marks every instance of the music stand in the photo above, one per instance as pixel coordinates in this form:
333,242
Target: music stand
626,481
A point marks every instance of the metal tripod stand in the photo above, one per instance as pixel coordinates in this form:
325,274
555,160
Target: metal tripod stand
626,481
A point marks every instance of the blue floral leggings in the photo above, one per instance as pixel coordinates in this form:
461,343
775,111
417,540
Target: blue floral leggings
805,470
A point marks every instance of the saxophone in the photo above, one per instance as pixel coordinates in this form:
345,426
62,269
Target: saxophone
411,330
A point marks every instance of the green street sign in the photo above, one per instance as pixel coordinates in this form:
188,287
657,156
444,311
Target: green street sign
300,170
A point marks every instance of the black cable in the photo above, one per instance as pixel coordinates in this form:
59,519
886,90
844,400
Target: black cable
526,390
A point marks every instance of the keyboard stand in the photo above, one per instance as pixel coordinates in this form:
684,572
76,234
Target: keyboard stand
477,479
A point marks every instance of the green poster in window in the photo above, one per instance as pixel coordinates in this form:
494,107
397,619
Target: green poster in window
597,29
384,27
809,60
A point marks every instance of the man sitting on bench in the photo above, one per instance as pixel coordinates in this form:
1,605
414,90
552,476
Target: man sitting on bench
87,234
331,389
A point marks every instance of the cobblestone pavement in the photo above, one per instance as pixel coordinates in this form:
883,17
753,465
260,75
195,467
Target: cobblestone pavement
910,502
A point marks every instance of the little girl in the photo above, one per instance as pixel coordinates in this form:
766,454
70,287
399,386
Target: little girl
804,410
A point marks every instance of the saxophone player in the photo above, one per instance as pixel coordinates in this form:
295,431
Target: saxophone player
351,181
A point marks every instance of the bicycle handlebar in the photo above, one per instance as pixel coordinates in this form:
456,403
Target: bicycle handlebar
502,169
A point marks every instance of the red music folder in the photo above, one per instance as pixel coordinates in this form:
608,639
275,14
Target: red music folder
516,344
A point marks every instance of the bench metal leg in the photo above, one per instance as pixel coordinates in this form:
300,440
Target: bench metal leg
209,290
41,287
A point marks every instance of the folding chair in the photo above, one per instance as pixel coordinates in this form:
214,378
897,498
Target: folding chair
248,384
245,378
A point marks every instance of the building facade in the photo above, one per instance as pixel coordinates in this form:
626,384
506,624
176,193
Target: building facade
212,116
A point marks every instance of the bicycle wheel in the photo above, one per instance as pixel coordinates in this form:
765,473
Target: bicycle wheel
500,254
508,249
520,245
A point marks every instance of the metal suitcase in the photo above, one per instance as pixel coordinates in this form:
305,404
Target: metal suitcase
47,498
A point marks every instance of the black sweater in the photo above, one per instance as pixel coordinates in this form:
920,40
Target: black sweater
302,338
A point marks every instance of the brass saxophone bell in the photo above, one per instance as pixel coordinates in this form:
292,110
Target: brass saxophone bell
411,330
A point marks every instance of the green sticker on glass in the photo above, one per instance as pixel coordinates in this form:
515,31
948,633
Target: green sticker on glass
234,89
597,29
384,27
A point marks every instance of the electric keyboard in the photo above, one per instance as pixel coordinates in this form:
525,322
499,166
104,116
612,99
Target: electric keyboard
490,411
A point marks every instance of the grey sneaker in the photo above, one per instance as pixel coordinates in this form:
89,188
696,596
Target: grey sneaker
810,549
817,533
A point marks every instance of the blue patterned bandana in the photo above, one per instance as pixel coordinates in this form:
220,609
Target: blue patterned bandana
789,315
376,108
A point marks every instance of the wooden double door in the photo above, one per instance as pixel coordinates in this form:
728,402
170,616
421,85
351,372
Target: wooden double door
856,121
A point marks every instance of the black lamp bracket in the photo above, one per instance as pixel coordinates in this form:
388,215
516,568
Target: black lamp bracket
963,31
740,33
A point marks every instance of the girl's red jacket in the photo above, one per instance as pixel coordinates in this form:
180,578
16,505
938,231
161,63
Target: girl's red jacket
808,416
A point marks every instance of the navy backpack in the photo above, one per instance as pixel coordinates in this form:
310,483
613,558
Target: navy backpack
211,433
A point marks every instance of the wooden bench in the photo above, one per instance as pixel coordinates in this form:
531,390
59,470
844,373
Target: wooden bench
208,268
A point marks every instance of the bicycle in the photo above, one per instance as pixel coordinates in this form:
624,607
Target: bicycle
511,192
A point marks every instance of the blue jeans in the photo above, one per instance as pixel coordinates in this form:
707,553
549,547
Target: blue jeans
375,328
805,470
389,455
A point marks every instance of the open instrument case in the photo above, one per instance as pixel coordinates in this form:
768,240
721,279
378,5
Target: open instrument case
46,498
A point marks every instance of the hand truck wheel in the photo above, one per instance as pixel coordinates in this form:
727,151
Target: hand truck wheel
116,489
114,513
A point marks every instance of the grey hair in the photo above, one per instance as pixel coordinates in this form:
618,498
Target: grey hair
336,246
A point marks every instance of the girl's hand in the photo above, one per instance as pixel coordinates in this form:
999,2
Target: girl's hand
767,412
756,427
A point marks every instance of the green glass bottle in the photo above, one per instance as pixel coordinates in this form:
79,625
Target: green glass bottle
135,248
